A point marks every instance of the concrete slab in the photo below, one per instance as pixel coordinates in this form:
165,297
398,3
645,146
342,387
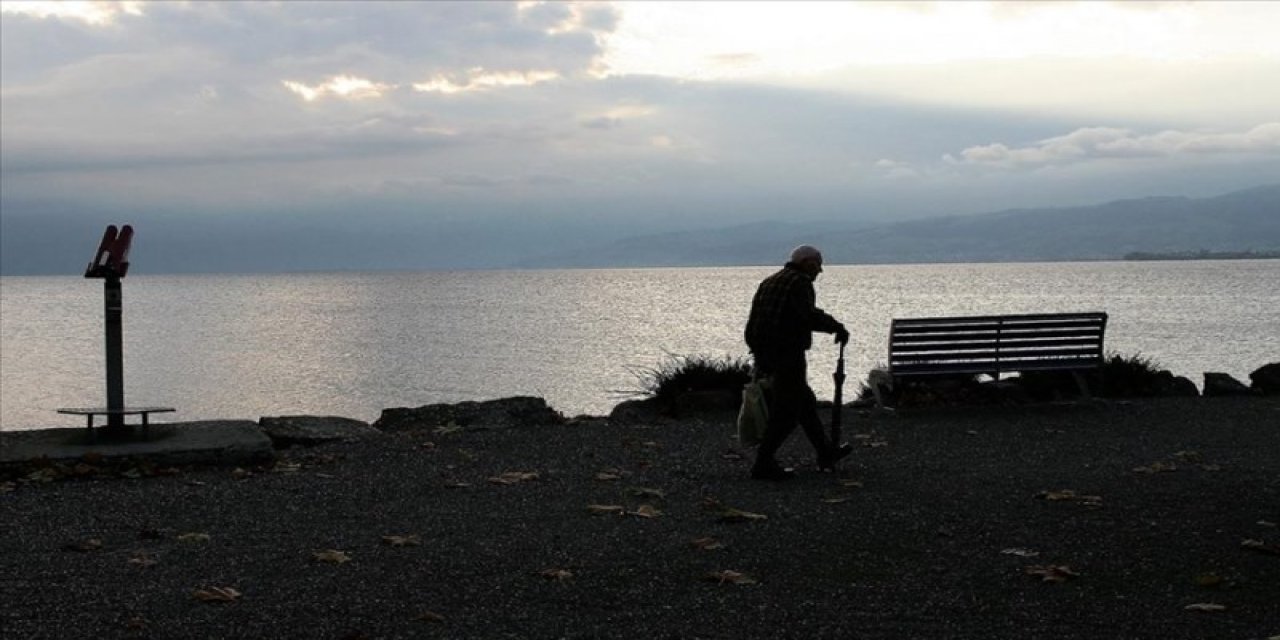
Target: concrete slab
229,442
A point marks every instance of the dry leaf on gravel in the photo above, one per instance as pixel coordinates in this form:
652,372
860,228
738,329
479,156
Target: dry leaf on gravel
1021,552
836,499
193,537
645,511
285,466
556,574
1068,495
427,446
1157,467
1205,607
1208,580
1188,456
1050,572
456,485
731,455
607,476
429,616
1261,547
83,546
706,544
447,429
514,477
852,484
646,492
143,559
729,577
730,514
217,594
402,541
606,509
331,556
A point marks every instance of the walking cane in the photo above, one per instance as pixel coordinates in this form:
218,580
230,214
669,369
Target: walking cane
839,399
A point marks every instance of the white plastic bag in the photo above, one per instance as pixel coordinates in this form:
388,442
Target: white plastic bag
753,416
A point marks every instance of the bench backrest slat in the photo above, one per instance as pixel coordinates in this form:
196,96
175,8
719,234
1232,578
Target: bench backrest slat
995,344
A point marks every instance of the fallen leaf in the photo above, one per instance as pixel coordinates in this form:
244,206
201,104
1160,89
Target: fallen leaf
971,432
706,544
429,616
729,577
1208,580
83,546
240,474
193,537
1068,495
1050,572
876,444
1264,523
646,511
132,474
1262,547
403,541
217,594
646,492
852,484
514,477
1054,496
429,446
604,509
556,574
447,429
730,514
1188,456
836,499
143,559
1205,607
650,444
197,483
456,485
1021,552
1157,467
284,466
332,556
326,476
732,455
605,476
6,487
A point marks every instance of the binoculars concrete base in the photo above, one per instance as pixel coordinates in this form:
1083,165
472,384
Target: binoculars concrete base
229,442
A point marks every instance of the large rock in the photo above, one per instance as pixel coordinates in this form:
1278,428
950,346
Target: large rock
1180,386
1266,379
642,411
495,414
286,431
1221,384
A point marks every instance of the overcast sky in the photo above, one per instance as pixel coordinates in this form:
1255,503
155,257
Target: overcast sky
623,115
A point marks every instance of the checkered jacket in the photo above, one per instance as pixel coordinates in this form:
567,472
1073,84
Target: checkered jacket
783,315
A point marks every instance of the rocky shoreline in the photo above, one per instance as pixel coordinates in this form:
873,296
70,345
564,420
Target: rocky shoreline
1136,519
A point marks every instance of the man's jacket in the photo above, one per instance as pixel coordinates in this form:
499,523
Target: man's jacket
783,314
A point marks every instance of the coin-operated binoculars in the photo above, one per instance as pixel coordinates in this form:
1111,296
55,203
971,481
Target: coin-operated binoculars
111,263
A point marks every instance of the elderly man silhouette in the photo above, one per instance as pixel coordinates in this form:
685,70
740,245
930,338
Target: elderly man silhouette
779,332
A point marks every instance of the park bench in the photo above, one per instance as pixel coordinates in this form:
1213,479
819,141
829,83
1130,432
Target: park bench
993,345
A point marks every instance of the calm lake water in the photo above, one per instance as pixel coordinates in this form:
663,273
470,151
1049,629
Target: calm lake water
351,344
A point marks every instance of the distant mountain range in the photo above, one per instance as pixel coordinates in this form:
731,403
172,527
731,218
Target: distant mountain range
1240,221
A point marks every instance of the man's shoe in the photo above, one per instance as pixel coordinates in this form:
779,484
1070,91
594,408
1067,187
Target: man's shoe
828,462
772,473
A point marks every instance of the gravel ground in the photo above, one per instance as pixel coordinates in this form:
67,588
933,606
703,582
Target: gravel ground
926,531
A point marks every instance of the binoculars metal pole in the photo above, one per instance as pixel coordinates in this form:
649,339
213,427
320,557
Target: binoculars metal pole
113,311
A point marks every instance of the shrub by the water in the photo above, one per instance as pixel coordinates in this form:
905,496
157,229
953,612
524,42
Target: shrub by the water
1134,376
677,375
